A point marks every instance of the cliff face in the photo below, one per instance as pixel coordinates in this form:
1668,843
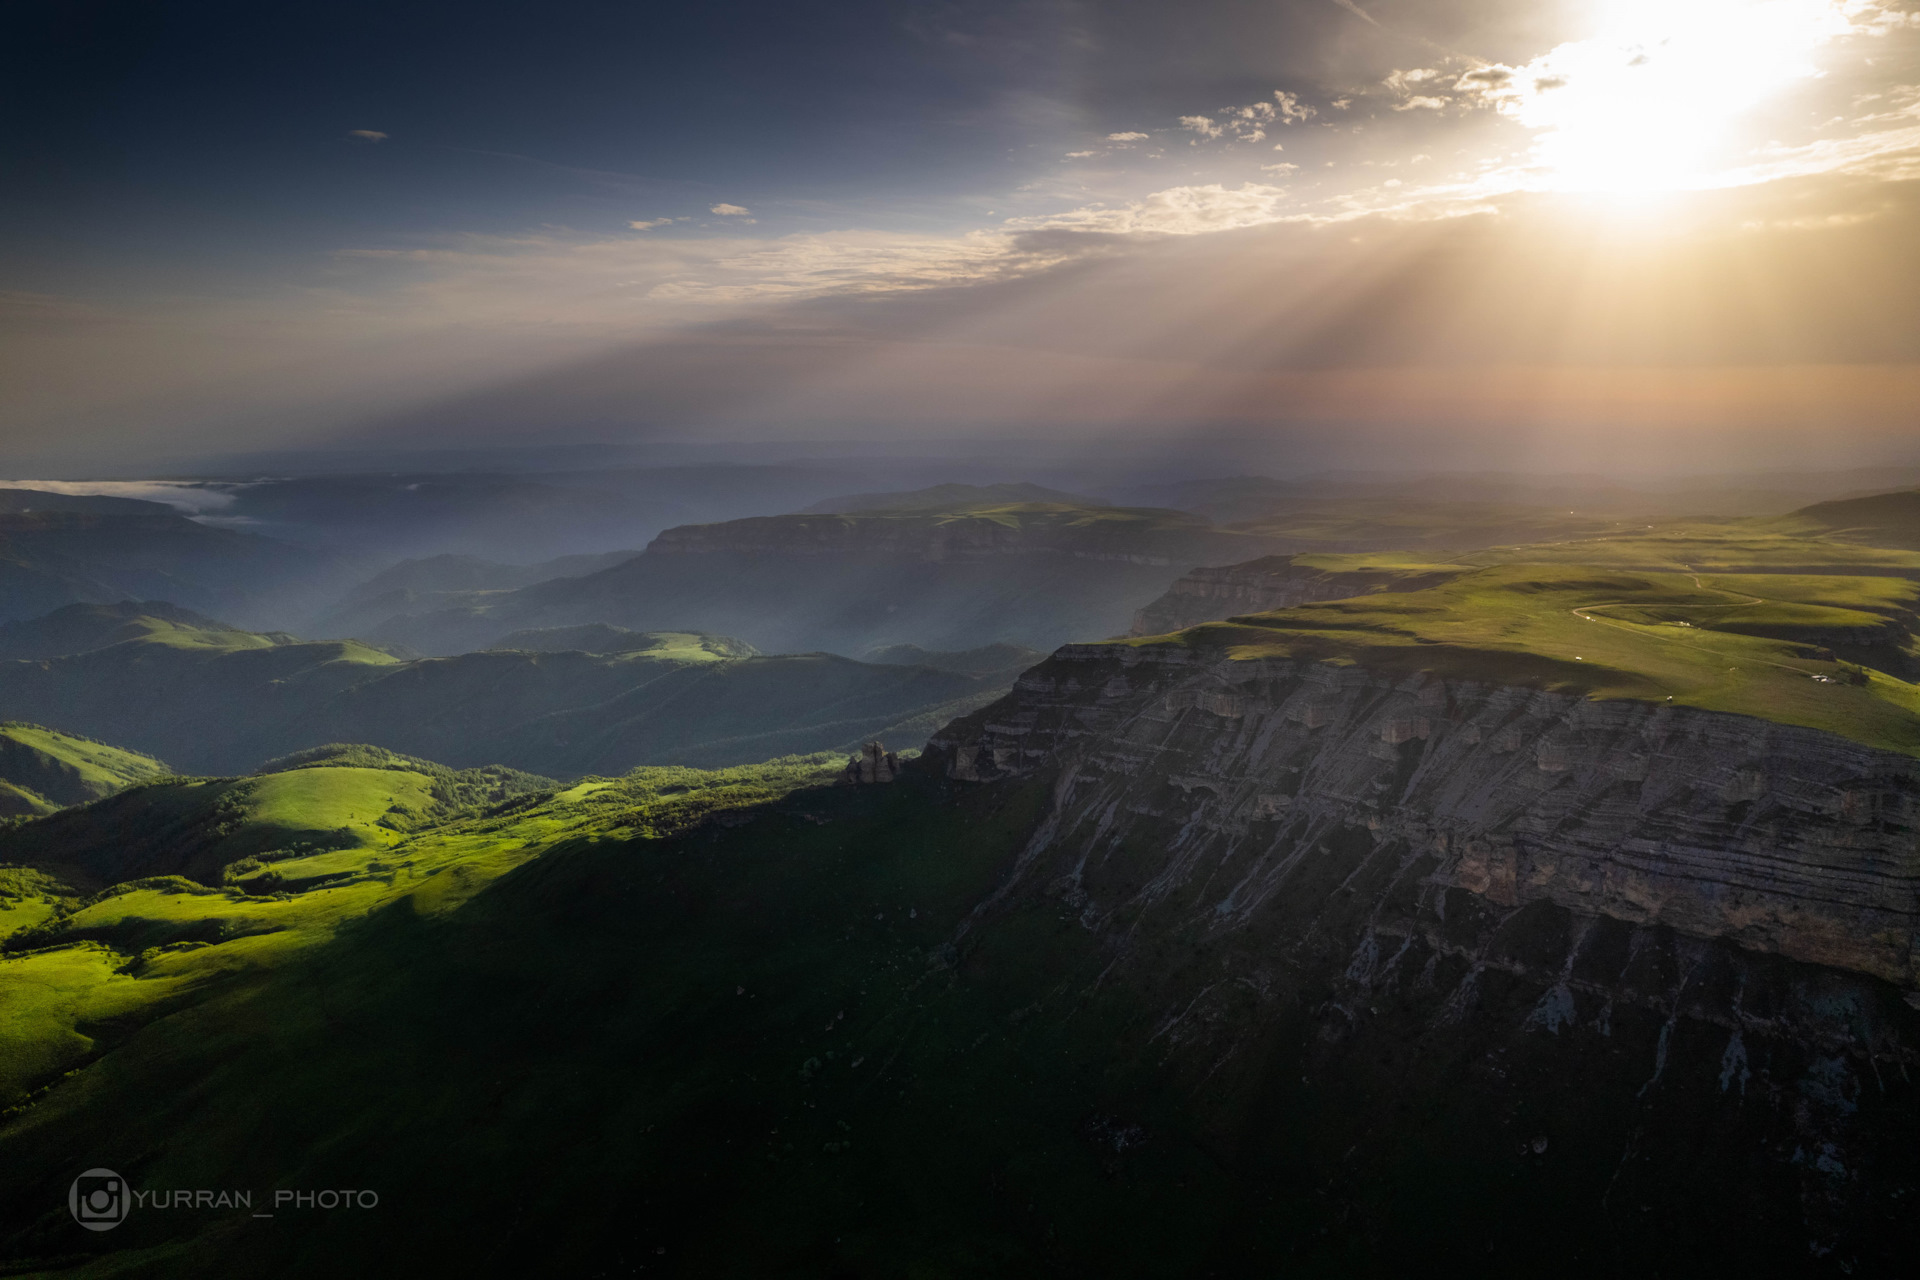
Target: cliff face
1779,839
1272,582
1484,921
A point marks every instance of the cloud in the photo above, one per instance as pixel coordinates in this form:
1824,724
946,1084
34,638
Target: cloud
1280,168
1357,11
730,211
1292,110
367,135
1130,136
1421,103
648,225
1177,211
1247,123
1081,155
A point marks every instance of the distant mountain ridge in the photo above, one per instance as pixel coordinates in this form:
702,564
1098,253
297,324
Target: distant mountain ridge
1029,574
1879,519
950,497
50,558
215,700
79,628
418,586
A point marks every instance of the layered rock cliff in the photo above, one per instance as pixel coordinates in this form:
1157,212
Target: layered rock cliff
1612,942
1780,839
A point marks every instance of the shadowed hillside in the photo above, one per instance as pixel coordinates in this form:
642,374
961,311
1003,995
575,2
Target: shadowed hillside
50,558
216,700
1028,574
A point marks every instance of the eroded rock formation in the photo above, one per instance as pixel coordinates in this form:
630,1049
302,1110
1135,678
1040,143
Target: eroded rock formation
1779,839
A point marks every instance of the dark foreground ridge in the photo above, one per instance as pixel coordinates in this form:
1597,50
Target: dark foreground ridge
1072,1019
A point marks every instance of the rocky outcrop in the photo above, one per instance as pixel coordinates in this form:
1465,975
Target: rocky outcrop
1256,586
874,764
1778,839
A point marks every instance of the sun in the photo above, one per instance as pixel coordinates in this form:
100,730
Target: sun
1653,99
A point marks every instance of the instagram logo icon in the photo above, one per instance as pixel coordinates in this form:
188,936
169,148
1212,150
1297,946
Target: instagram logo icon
98,1199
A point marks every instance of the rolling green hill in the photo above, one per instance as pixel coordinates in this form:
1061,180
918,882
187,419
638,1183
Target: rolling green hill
204,881
42,770
331,799
215,700
1880,519
79,628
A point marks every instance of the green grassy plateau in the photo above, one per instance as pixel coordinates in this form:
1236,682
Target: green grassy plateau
1809,619
1827,652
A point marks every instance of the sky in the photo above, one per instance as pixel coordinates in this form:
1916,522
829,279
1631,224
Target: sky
1608,233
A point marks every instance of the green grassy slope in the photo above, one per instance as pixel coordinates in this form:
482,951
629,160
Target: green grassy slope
221,701
42,770
354,798
1795,649
114,911
78,628
1880,519
564,1039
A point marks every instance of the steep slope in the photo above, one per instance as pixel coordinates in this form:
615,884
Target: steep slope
1032,574
220,701
963,1028
41,770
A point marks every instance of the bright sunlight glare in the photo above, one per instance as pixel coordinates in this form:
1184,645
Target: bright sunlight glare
1650,101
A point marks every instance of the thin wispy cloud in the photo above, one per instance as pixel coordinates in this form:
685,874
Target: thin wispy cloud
1356,11
367,135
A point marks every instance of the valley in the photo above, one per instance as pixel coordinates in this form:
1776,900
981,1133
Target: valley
1583,861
